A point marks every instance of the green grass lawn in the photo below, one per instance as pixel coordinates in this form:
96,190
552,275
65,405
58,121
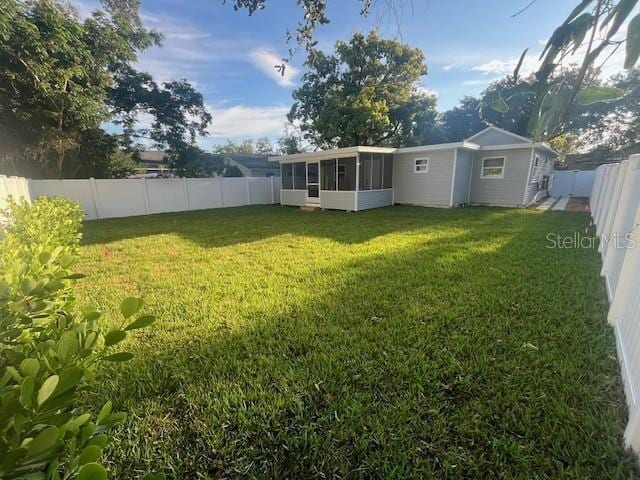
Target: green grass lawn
394,343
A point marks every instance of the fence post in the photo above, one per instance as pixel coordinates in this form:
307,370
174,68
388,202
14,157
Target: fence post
221,181
185,192
248,183
94,197
273,191
145,196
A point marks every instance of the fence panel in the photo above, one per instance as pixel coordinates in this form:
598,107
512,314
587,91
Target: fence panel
575,183
128,197
166,195
235,192
615,205
260,191
204,193
76,190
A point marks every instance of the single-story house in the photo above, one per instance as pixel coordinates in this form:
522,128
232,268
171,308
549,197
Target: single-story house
493,167
154,163
252,165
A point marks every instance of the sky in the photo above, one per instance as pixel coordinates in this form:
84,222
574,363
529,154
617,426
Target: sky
229,56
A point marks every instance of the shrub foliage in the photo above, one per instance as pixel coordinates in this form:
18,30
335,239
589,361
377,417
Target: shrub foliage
50,349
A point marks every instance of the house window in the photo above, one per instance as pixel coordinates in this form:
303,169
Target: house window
421,165
287,176
492,167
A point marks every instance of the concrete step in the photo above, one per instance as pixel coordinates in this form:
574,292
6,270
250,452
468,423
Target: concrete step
310,208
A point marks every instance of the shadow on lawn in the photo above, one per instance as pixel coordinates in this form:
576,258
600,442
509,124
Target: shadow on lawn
482,356
229,226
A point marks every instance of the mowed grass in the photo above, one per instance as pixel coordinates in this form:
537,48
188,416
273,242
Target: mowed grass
394,343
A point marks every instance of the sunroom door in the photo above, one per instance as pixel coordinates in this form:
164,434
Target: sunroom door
313,183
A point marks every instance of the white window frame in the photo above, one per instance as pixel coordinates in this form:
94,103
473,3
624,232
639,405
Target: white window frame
494,177
421,159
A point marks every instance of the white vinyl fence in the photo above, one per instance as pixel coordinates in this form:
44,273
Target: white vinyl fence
128,197
574,183
615,207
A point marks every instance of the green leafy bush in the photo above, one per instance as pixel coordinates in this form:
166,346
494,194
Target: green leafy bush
49,350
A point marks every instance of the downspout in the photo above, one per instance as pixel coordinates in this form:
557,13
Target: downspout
453,175
526,185
357,179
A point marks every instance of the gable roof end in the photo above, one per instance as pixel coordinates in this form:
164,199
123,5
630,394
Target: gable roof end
501,130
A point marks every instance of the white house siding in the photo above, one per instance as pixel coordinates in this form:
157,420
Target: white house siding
374,199
461,181
296,198
337,200
508,191
428,189
536,176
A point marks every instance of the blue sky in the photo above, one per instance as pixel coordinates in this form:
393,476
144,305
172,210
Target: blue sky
229,56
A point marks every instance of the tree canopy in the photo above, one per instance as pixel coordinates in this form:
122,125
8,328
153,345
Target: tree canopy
366,93
62,79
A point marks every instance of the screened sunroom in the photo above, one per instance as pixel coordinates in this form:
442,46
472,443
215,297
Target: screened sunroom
351,179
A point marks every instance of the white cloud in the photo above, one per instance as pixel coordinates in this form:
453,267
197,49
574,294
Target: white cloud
614,60
426,90
506,67
187,52
446,68
246,121
266,61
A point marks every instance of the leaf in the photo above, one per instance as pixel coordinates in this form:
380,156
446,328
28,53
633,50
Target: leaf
104,412
500,106
89,454
30,367
130,306
44,257
114,337
43,441
47,388
26,391
69,378
119,357
579,28
618,15
99,440
92,471
141,322
595,94
77,422
633,43
516,72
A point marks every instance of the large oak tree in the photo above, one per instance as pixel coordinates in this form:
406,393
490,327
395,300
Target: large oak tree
366,93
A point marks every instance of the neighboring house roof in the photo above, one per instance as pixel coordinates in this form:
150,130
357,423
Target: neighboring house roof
152,156
491,138
252,161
